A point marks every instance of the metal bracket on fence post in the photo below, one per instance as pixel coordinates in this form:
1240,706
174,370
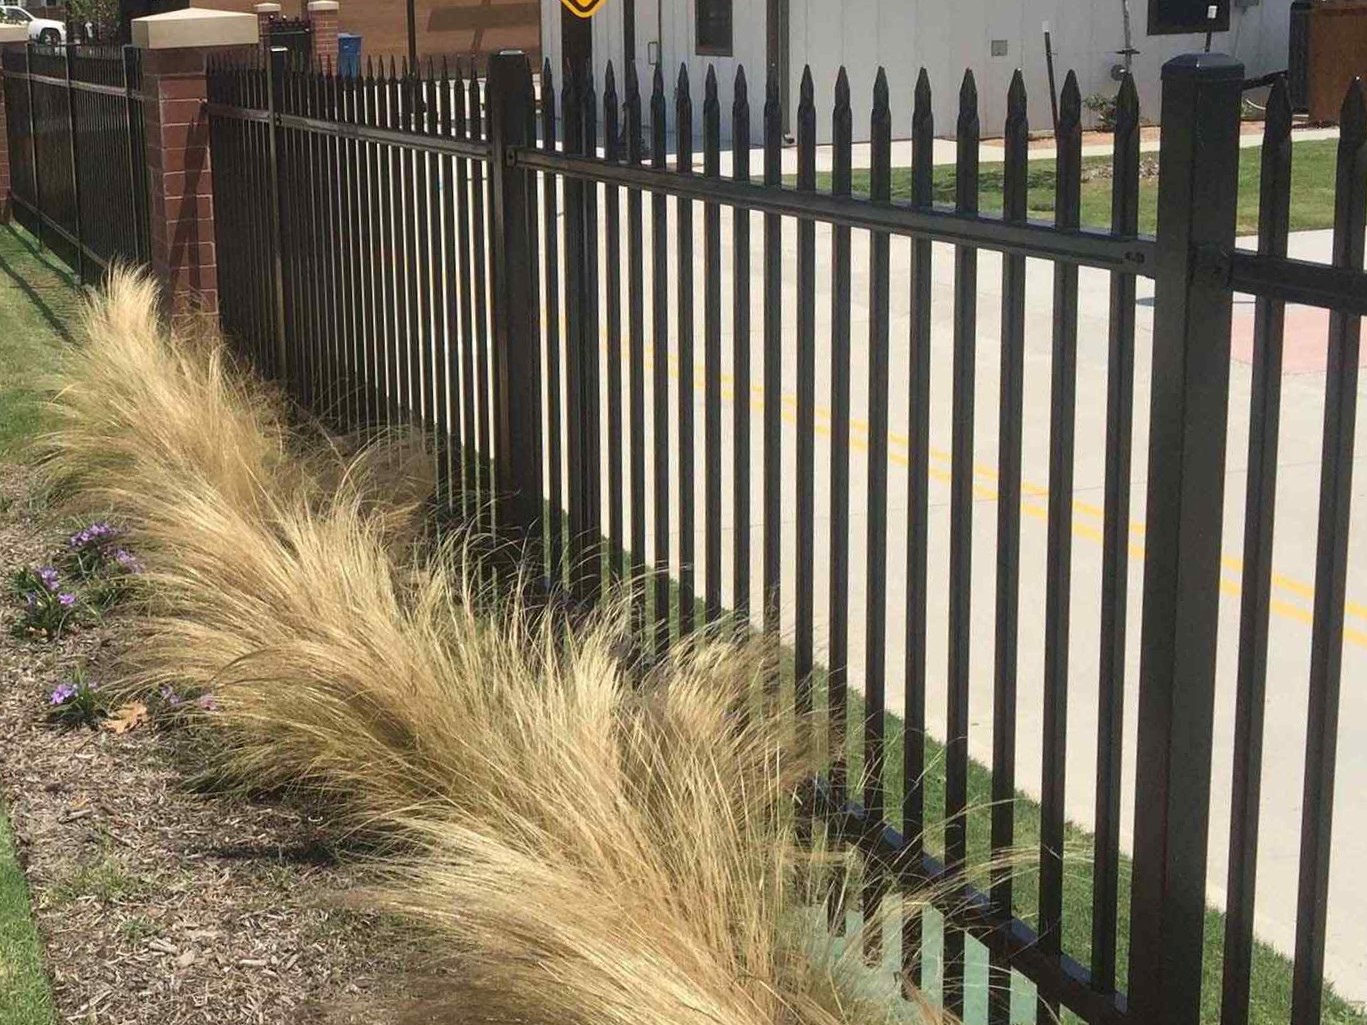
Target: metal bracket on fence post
275,77
33,144
75,168
1190,400
515,308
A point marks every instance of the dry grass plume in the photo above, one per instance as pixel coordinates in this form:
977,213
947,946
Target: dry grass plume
590,847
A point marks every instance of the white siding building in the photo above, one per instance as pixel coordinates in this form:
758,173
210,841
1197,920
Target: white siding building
992,37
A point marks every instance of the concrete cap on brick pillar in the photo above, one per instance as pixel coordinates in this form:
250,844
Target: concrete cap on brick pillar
195,28
13,33
316,6
268,8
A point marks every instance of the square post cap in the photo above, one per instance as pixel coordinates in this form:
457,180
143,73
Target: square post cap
195,28
1209,67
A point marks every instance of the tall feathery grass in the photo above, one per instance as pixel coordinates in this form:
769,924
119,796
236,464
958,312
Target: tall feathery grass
589,844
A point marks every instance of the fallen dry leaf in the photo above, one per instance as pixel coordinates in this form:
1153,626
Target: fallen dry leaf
126,717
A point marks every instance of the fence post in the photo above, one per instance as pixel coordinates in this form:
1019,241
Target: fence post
5,155
1190,399
322,18
136,155
177,47
515,309
581,344
75,168
266,12
276,58
33,145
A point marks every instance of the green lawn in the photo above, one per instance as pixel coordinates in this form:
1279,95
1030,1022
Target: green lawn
1312,193
37,301
1270,1002
24,995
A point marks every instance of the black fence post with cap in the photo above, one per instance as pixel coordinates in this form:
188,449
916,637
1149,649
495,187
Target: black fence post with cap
515,309
33,146
67,55
276,62
137,157
1190,399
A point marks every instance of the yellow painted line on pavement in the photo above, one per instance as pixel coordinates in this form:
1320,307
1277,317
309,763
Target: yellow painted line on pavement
1035,510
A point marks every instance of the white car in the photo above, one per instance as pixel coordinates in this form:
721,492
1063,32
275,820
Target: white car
40,30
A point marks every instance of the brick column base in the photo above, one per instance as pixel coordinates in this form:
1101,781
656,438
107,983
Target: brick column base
265,14
322,15
9,34
4,159
176,46
180,180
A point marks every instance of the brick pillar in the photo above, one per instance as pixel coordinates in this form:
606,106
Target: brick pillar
4,159
8,34
265,14
322,15
176,47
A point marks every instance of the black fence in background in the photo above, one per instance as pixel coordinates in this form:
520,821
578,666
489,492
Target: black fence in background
293,34
393,257
78,169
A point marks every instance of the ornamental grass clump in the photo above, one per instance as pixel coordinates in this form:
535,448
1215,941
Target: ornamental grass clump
136,409
585,842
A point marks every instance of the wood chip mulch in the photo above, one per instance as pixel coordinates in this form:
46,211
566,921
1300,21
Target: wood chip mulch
157,904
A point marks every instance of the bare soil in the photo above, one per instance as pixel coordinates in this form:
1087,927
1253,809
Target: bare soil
157,904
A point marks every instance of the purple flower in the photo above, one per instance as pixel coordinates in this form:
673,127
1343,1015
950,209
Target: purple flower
31,599
207,703
63,693
47,575
168,695
130,562
96,532
66,600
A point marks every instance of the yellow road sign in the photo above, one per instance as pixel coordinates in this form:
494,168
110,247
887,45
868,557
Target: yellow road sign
584,8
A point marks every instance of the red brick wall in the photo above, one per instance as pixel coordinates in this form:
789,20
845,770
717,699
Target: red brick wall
180,181
322,15
4,159
264,13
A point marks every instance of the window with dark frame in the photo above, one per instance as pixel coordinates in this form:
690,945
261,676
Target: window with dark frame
713,27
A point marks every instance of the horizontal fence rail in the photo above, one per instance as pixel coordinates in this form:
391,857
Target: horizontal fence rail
78,167
565,306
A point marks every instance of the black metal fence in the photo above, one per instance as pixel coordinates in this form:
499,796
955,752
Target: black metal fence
407,246
78,171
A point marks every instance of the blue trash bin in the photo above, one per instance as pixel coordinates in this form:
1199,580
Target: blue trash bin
349,54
